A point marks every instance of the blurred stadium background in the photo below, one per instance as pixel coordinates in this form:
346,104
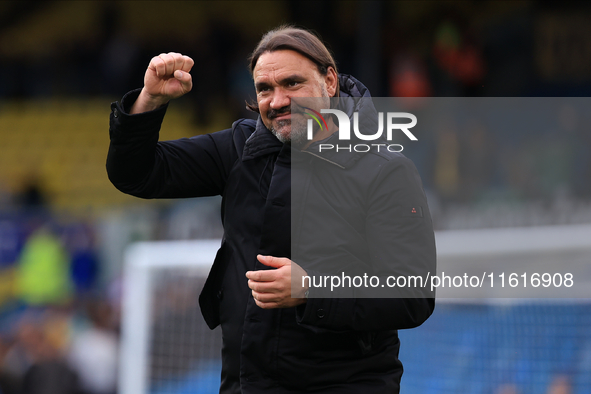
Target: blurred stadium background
64,228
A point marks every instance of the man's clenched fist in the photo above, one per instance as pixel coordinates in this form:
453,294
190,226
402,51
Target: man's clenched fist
166,78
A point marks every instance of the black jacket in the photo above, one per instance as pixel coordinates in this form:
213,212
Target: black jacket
340,345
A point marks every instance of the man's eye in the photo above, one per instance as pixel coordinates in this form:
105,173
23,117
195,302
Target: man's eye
293,83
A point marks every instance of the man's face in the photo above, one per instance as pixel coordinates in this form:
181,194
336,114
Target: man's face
281,75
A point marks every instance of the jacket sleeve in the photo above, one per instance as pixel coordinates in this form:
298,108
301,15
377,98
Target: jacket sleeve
401,242
139,165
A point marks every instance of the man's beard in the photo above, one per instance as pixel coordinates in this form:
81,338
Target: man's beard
297,131
296,135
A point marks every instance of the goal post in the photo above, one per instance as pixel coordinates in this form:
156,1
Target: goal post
143,262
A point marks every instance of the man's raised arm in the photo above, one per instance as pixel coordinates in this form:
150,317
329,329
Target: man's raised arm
139,165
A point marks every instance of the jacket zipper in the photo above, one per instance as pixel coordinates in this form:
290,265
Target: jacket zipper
325,159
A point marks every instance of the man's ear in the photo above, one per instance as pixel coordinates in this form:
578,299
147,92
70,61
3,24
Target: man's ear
331,80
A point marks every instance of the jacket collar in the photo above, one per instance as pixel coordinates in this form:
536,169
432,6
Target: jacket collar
263,142
350,88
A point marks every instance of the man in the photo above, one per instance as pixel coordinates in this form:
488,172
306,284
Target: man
273,342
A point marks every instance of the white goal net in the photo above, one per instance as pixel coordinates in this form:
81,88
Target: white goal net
166,346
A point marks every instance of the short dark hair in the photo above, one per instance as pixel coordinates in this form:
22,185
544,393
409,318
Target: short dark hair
296,39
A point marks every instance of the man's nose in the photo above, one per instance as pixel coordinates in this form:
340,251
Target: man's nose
280,99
